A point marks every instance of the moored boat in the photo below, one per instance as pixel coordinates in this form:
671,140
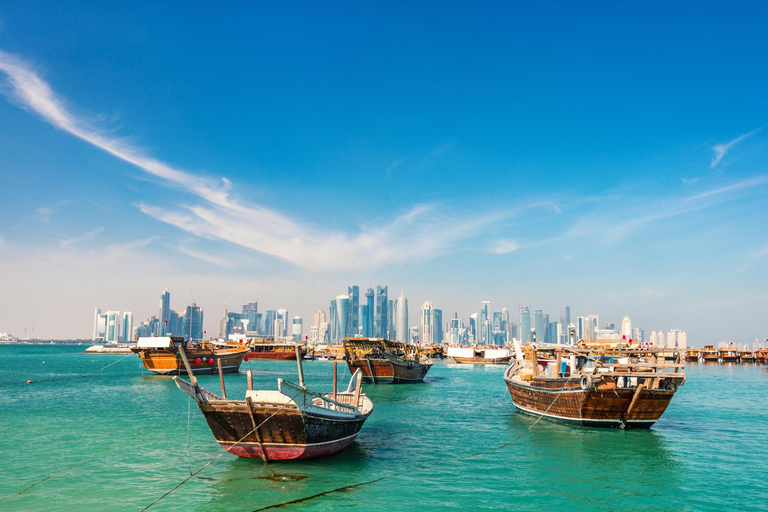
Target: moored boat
161,355
728,355
621,388
480,354
382,361
747,356
289,423
709,354
692,354
262,348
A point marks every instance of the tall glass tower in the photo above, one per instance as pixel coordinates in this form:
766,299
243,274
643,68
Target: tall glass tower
353,311
381,324
367,322
165,313
403,334
525,325
342,312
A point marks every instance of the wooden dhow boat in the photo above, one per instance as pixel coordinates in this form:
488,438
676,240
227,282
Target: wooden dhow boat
620,388
709,354
382,361
761,356
480,354
728,355
262,348
693,354
290,423
162,355
747,356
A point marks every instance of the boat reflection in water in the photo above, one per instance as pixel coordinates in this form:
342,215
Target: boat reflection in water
289,423
614,386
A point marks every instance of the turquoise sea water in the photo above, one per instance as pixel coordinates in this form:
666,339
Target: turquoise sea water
121,438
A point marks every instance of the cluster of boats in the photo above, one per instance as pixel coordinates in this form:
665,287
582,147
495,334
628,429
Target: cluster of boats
586,384
730,354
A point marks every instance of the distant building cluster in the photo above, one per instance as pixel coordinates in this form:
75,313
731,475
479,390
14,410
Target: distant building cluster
272,323
114,327
373,315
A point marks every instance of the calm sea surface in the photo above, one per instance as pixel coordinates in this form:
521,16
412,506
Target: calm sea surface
121,438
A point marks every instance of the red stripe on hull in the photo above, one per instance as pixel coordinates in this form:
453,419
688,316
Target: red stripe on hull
289,452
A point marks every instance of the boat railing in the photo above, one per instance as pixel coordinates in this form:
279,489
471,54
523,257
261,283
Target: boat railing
319,400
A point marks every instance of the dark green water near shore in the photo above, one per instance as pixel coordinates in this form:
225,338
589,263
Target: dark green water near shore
120,438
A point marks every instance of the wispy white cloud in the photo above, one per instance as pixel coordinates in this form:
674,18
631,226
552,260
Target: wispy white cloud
748,183
504,246
210,258
721,149
66,243
221,216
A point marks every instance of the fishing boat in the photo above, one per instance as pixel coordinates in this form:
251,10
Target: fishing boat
480,354
728,355
383,361
761,356
709,354
621,388
161,355
289,423
262,348
693,354
747,356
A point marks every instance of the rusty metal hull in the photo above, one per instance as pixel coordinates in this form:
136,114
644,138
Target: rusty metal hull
568,403
389,371
168,362
283,433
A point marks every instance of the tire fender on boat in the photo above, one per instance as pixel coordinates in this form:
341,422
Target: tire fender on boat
671,385
586,381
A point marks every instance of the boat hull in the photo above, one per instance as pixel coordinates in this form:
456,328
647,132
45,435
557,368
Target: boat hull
593,407
169,362
482,360
385,371
282,433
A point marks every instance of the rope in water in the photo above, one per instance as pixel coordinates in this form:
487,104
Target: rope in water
414,470
57,379
192,475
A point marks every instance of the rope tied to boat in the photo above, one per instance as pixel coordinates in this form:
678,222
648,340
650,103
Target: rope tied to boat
192,475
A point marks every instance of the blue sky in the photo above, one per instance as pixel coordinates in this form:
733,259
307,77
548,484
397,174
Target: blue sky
607,157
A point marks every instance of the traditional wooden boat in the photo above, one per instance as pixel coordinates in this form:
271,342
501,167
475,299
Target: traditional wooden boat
709,354
747,356
622,388
480,354
385,362
728,355
262,348
693,354
762,355
161,355
287,424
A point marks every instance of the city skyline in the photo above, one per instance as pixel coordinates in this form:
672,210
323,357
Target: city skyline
515,154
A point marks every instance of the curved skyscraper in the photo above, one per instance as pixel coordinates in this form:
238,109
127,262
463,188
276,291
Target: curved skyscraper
403,334
342,308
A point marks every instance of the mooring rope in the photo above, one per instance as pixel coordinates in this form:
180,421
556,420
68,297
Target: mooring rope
57,379
414,470
220,455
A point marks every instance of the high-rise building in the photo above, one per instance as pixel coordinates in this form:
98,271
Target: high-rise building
165,313
320,317
437,336
333,322
403,334
428,323
626,327
525,325
127,327
565,321
192,326
282,314
370,312
112,331
484,336
96,330
353,311
342,312
297,331
473,327
538,325
381,318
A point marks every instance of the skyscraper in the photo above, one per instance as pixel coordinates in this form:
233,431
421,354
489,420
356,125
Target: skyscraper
539,325
427,323
342,311
96,316
353,311
297,331
165,313
403,334
391,321
112,331
485,336
193,323
565,319
127,327
333,327
367,321
525,325
626,327
320,317
437,336
381,325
